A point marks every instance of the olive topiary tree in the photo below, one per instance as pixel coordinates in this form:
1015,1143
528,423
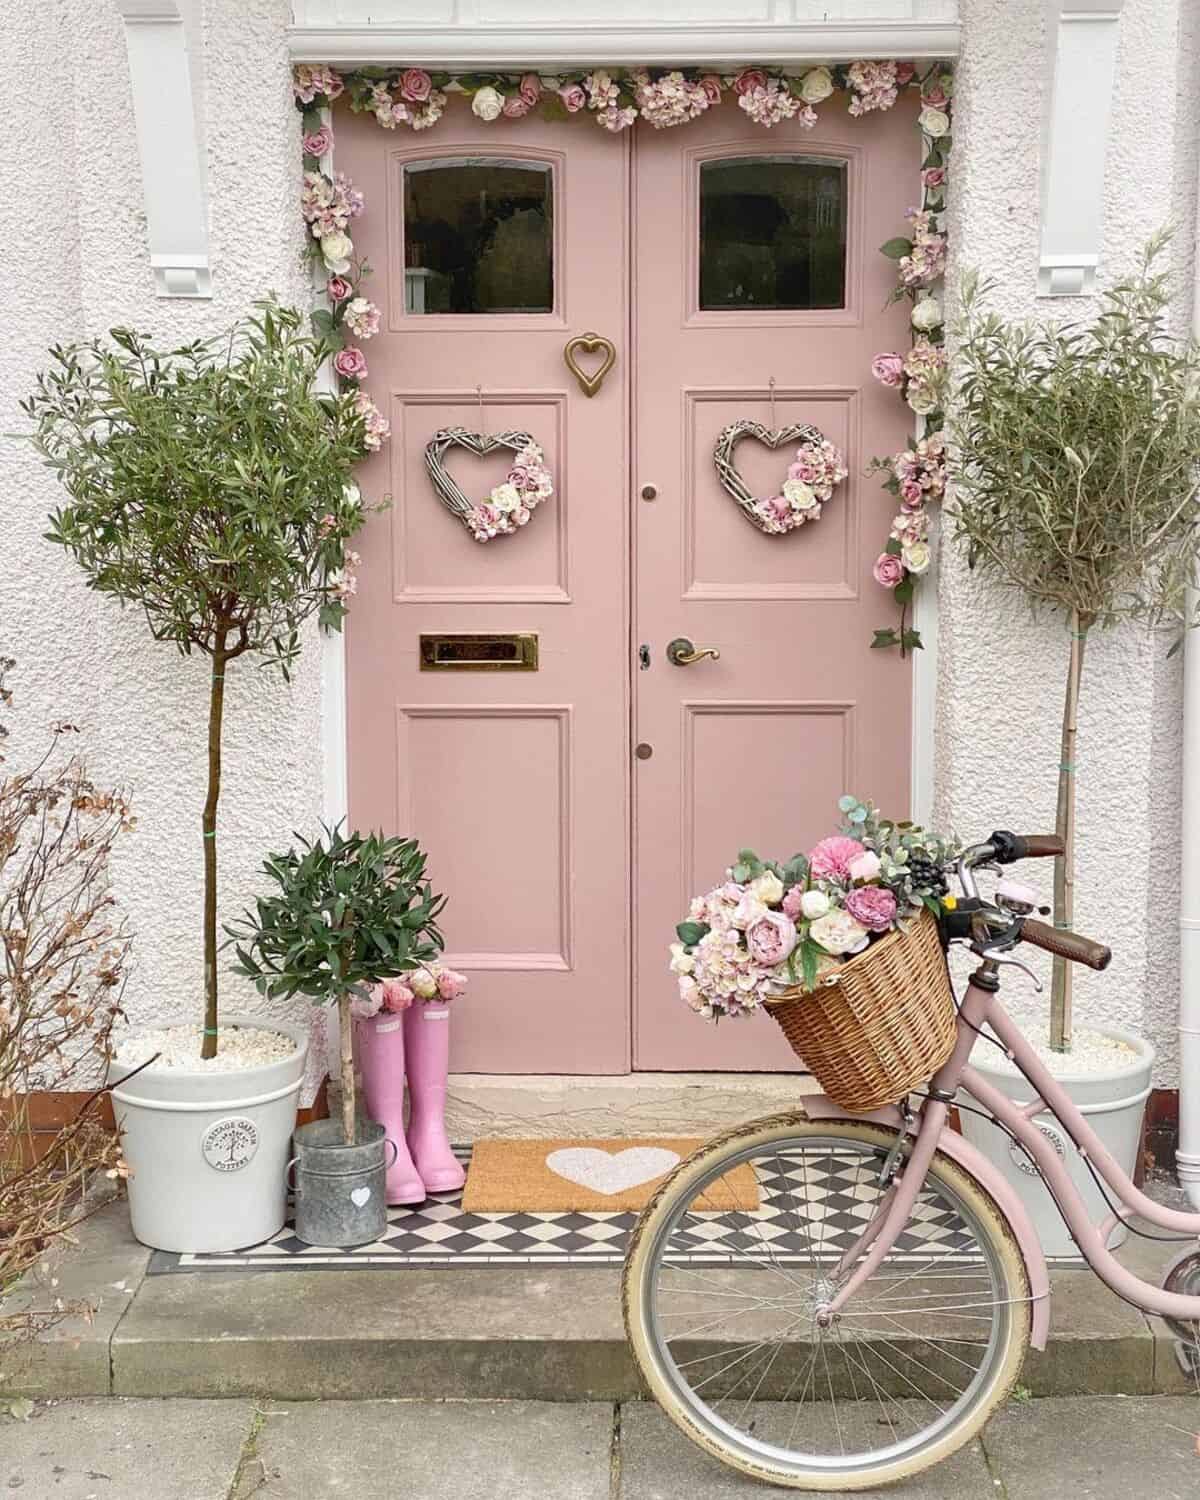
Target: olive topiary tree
1074,454
347,911
211,487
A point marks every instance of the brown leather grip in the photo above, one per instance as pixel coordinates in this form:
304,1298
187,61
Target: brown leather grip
1079,950
1039,845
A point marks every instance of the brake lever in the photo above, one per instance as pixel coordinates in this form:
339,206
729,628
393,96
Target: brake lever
1001,958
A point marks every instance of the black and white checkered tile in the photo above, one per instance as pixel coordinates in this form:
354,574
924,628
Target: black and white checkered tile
438,1233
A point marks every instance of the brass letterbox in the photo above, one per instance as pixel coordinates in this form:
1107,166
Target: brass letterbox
479,652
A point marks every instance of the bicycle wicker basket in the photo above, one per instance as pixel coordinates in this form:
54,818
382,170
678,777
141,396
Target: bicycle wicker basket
878,1026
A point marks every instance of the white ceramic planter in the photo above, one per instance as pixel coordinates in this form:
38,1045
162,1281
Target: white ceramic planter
1112,1101
208,1150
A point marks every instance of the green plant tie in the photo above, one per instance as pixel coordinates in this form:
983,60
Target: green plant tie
1068,766
211,1031
211,835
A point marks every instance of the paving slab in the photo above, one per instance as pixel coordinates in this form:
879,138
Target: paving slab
300,1335
105,1269
378,1450
1097,1449
116,1450
658,1463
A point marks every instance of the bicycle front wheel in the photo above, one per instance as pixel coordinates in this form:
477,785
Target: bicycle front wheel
720,1307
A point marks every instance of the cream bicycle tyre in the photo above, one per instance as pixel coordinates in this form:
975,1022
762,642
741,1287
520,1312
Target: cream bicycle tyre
947,1183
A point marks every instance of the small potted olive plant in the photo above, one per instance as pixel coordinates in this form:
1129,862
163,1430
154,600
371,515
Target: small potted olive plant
347,913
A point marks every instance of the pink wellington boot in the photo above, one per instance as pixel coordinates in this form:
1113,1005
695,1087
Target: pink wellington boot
427,1059
381,1058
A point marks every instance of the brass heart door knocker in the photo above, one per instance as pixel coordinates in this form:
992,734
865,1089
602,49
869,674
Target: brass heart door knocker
589,343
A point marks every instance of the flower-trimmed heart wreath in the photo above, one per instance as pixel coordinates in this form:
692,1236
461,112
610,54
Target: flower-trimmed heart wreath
811,478
511,503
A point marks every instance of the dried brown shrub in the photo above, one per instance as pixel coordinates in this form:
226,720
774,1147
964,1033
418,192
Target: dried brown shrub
63,950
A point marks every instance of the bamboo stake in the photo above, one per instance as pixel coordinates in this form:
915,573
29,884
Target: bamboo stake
208,822
1064,826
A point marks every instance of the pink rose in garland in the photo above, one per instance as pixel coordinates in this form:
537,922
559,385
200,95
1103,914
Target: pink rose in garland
573,97
874,906
748,80
832,857
415,85
337,288
888,570
771,938
317,142
351,364
888,369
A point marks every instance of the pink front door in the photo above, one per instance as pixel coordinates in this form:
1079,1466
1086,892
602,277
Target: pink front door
571,810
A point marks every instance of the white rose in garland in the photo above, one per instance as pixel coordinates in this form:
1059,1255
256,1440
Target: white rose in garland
337,250
926,315
488,103
817,84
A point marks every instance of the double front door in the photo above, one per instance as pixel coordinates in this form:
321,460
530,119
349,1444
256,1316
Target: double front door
524,705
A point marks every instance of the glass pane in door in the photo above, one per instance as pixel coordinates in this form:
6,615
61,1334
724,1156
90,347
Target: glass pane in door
478,236
772,233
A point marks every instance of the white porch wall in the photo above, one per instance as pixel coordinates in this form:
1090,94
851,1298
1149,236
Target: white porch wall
73,158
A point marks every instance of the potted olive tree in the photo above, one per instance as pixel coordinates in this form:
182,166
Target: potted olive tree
1073,456
209,486
348,912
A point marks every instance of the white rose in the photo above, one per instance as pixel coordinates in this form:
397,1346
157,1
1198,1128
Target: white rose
864,866
837,932
926,314
916,557
505,498
768,888
799,496
921,399
487,103
682,962
814,904
336,250
817,84
423,983
934,122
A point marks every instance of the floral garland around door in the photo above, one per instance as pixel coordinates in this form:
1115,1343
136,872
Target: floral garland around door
614,98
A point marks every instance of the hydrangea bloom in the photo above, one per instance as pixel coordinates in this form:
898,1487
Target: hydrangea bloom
873,85
670,100
377,429
362,318
311,79
927,259
769,103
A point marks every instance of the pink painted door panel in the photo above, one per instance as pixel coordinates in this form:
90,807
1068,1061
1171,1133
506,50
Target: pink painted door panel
767,267
516,782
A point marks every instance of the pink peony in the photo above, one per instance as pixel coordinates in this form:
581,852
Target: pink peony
573,97
351,364
888,570
830,859
396,995
337,288
450,984
749,79
888,368
872,905
317,142
415,85
770,938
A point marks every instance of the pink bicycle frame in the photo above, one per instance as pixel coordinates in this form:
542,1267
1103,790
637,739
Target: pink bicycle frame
980,1006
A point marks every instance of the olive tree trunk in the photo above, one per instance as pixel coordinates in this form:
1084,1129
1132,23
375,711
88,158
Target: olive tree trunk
1064,826
216,712
346,1035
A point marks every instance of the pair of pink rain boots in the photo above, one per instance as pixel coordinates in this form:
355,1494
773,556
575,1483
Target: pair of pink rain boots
413,1044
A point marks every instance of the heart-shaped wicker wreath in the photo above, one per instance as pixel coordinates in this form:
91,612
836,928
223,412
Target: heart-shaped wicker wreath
512,502
818,466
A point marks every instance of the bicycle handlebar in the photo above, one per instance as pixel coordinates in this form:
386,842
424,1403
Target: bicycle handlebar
1080,950
1007,848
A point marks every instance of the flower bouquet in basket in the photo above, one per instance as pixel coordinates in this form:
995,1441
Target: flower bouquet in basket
839,943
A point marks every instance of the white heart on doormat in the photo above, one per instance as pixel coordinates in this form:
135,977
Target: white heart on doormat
359,1196
611,1172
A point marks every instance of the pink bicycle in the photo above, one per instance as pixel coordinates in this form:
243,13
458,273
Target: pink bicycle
868,1316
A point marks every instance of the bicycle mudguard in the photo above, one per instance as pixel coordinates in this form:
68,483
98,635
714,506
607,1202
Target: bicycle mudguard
973,1162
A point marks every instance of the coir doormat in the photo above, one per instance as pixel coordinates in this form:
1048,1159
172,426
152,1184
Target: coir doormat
584,1176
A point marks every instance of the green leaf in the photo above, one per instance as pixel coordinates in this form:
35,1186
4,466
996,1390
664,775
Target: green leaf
892,547
911,641
690,933
884,638
903,591
896,249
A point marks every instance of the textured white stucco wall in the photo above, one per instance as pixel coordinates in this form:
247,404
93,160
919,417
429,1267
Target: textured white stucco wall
1001,674
73,162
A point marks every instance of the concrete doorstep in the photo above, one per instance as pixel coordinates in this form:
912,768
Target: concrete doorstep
536,1334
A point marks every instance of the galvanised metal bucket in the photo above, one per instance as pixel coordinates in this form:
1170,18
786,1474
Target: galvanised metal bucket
339,1190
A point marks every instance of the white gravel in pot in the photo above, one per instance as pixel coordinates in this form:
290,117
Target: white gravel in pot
1091,1052
238,1047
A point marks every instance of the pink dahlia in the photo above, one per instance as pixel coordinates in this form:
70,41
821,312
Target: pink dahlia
872,905
830,859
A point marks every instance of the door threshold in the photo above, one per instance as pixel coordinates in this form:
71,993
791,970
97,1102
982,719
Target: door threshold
556,1105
